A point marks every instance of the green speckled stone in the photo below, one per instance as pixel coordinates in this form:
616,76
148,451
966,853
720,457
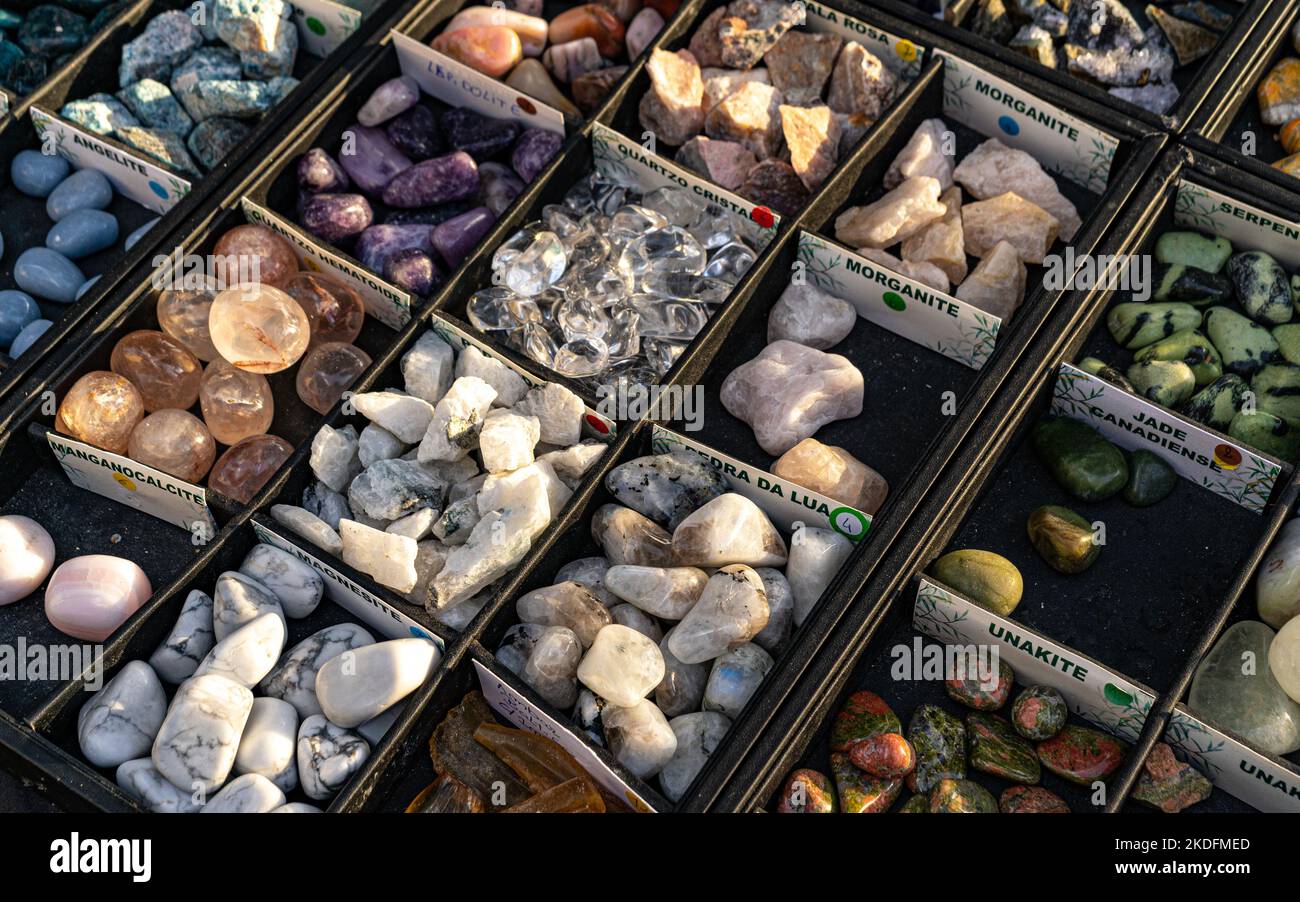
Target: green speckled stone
1217,403
1150,479
1063,539
995,748
1277,390
1270,434
1166,382
860,793
864,715
1192,348
1085,464
1168,784
988,579
1031,800
1262,286
1243,345
962,797
973,694
807,791
940,743
1081,754
1193,249
1138,325
1103,370
1288,341
916,805
1038,713
1184,284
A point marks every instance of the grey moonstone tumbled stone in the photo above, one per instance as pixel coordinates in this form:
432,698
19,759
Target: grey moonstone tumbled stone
816,555
730,529
640,737
682,688
735,677
668,592
120,721
780,610
565,604
552,666
698,735
731,611
622,665
517,644
666,487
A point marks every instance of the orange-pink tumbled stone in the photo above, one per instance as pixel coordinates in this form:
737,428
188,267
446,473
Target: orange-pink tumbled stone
235,403
246,467
259,328
335,310
183,314
162,368
176,442
101,409
327,372
491,49
90,596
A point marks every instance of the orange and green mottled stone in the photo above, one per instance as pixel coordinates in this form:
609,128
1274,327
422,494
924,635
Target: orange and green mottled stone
940,743
996,748
916,805
971,691
886,755
864,715
1081,755
1039,713
860,793
1169,784
1031,800
807,791
961,797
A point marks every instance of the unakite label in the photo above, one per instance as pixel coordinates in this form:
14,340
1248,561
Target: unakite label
1247,227
324,25
786,504
131,175
1204,458
905,307
901,55
384,301
1061,143
1233,766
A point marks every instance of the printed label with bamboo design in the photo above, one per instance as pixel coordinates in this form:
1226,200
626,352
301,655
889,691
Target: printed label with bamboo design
902,56
1247,227
1258,780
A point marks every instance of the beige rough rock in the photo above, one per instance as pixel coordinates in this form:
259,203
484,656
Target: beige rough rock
813,137
997,284
835,473
993,168
1029,228
853,126
943,242
896,217
750,116
806,314
861,83
725,163
719,84
674,107
925,273
801,62
923,155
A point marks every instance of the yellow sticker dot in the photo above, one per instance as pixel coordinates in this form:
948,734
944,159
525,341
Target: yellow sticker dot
906,50
124,482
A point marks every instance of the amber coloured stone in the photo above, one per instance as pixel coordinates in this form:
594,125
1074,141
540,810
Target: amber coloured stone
235,403
247,466
253,253
175,442
101,409
335,310
163,369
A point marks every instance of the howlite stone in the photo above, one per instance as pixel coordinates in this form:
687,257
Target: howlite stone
82,232
47,274
1103,370
1168,383
212,139
1243,344
917,804
36,174
477,135
860,793
1277,389
1039,712
446,178
17,310
1063,539
1263,287
989,580
416,134
1217,403
1138,325
29,336
1168,784
1270,434
1190,347
995,748
807,791
961,797
1150,480
1081,460
864,715
535,148
1081,755
1193,249
1185,284
1031,800
968,688
52,31
940,743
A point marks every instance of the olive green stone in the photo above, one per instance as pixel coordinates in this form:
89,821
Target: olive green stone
1243,345
1193,249
1217,403
1295,291
1063,539
1138,325
1262,286
1270,434
1167,382
1277,390
1150,479
962,797
940,743
917,804
988,579
1185,284
1103,370
1192,348
1085,464
994,747
1288,341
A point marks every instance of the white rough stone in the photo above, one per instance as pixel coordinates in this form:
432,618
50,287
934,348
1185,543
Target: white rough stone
387,557
334,456
507,440
453,429
994,168
308,526
427,367
897,216
809,316
622,665
510,387
405,416
415,526
377,443
572,463
924,155
558,410
501,490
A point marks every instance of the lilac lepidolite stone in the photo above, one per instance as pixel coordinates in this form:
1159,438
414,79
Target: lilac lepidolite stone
336,216
416,134
413,270
374,161
482,137
450,177
379,243
318,173
458,236
397,95
535,149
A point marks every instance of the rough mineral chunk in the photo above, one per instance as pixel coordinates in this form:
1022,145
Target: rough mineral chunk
752,27
405,416
997,284
719,84
725,163
800,63
454,427
993,168
674,107
750,116
507,440
924,154
861,83
1027,227
897,216
334,456
427,368
813,137
835,473
508,384
558,411
812,317
943,242
776,184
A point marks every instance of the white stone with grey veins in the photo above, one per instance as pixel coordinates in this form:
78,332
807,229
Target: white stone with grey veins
622,666
634,618
427,368
334,456
732,611
120,721
385,556
698,735
377,443
356,687
627,537
239,599
780,610
141,781
249,794
667,592
294,677
405,416
295,583
297,808
565,604
735,677
308,526
517,644
666,487
682,688
730,529
510,387
328,756
197,742
249,653
590,572
267,746
325,504
454,427
639,737
558,410
816,555
189,641
392,489
809,316
507,440
552,666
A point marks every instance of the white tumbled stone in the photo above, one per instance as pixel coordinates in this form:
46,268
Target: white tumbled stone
816,555
365,682
698,736
622,665
119,722
179,655
731,611
248,794
730,529
249,653
328,756
268,744
239,599
295,583
735,678
141,781
639,737
667,592
196,745
294,678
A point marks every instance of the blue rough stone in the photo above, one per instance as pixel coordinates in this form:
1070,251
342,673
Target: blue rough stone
134,237
166,147
206,64
84,289
36,174
280,87
17,309
102,114
165,43
153,103
47,274
26,75
237,99
82,233
83,190
28,337
213,138
278,61
52,31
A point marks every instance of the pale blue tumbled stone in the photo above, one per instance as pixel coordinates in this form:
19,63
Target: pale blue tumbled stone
139,233
90,283
36,174
48,274
84,190
82,233
17,310
28,336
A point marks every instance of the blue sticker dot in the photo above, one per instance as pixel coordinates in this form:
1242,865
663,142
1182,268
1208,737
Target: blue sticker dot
419,633
158,190
1009,125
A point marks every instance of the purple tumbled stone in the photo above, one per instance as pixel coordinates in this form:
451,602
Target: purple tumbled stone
397,95
318,172
336,216
414,271
535,149
374,161
456,238
379,243
482,137
429,215
450,177
416,134
500,186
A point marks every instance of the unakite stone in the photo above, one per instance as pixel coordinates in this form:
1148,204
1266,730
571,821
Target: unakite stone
995,748
1136,325
1150,479
988,579
1263,287
1193,349
1085,464
1103,370
982,695
1270,434
1277,390
1193,249
887,755
940,743
1167,382
860,793
961,797
1288,341
1031,800
1247,701
1168,784
917,804
1064,539
864,715
1039,712
1185,284
1217,403
1081,755
807,791
1243,345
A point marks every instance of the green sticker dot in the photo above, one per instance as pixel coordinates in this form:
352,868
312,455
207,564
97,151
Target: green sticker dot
894,301
315,25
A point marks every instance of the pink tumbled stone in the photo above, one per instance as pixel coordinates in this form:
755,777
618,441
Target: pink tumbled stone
26,556
259,328
91,596
246,466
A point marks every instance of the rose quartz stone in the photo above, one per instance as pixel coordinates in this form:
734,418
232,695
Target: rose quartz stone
164,370
26,556
491,49
247,466
235,403
175,442
259,328
253,253
183,314
101,409
91,596
327,372
334,309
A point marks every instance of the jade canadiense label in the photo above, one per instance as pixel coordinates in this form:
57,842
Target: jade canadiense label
594,425
787,505
621,159
385,302
350,595
1247,227
324,25
144,182
129,482
1265,783
892,301
511,704
459,85
1200,456
1062,143
902,56
1093,691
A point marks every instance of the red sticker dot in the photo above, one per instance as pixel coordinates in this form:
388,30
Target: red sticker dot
763,216
597,423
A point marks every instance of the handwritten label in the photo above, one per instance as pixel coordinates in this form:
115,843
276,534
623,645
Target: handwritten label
1233,766
1206,210
324,25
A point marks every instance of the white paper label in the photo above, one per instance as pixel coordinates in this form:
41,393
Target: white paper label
459,85
785,503
324,25
129,482
1203,458
1245,226
527,716
350,595
386,303
1062,143
905,307
1233,766
902,56
144,182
